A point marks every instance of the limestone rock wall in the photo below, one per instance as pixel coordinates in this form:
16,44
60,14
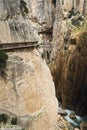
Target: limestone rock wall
68,63
28,91
59,27
77,4
39,19
17,27
70,76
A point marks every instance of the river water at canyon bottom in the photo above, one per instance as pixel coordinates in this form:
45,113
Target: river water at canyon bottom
74,122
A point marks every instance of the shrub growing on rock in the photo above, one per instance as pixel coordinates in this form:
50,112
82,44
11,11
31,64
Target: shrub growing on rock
3,61
23,7
14,121
73,12
3,118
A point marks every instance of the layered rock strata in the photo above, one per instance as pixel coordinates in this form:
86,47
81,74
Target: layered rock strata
69,62
27,89
27,93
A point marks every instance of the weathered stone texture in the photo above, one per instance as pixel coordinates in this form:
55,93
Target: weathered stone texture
29,91
16,27
70,73
76,4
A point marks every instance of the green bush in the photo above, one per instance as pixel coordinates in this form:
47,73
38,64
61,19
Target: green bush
79,29
3,118
75,22
3,56
3,61
14,121
73,12
23,7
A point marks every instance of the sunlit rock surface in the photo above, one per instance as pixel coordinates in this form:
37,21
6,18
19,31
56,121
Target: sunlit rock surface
28,91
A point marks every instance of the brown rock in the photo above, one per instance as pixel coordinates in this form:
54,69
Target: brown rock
83,126
70,73
72,116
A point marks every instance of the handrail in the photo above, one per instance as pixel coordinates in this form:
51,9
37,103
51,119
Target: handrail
9,43
19,45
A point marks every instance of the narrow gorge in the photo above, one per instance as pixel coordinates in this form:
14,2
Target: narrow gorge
43,64
69,56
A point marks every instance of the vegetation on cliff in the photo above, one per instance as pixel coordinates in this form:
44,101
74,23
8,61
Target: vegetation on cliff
77,23
3,118
3,61
23,7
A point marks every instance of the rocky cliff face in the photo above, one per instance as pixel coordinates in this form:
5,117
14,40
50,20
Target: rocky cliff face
60,28
70,76
77,4
14,25
27,93
68,64
17,25
28,90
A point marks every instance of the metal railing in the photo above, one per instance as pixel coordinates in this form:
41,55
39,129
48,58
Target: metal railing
17,45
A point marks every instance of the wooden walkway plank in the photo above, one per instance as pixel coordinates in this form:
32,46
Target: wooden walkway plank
19,45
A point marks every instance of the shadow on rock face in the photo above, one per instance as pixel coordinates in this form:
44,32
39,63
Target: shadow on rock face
82,109
69,71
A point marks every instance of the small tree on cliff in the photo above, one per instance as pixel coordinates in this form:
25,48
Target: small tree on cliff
23,7
3,61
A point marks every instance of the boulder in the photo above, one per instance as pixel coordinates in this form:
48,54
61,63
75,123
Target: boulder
72,116
83,126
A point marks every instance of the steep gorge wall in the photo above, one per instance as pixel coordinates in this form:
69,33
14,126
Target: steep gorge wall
36,94
70,76
76,4
28,90
16,26
69,60
60,27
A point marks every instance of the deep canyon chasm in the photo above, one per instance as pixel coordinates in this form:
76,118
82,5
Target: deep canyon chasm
27,91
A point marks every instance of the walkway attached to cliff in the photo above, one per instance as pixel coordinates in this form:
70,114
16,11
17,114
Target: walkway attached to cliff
18,45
